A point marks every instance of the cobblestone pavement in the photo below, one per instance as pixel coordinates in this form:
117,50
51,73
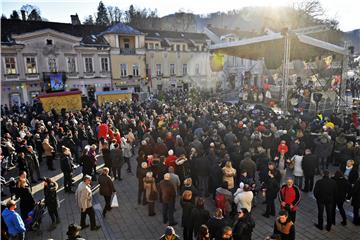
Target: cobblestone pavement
130,220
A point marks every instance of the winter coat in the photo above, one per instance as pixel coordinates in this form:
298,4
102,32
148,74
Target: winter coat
13,221
244,200
126,147
168,191
216,227
268,140
83,196
272,188
199,217
106,185
48,149
228,176
27,202
325,190
107,157
309,164
51,199
243,228
343,188
298,171
149,186
353,175
187,207
66,163
87,164
117,157
285,230
32,160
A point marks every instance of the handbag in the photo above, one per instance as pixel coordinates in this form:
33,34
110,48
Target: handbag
114,201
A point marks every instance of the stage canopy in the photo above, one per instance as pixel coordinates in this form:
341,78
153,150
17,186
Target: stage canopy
271,48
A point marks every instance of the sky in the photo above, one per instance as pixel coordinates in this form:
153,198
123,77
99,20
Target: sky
347,12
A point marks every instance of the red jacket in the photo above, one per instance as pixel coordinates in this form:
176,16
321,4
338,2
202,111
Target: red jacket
283,147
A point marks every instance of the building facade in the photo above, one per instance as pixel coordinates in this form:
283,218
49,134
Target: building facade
30,50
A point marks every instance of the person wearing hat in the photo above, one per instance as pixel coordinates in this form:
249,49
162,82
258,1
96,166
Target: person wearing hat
83,197
73,232
169,234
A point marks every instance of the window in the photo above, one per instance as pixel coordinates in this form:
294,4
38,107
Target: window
172,69
30,65
184,69
158,69
126,43
197,69
52,64
104,64
71,63
146,46
136,70
49,42
123,70
89,65
10,65
156,46
151,46
178,47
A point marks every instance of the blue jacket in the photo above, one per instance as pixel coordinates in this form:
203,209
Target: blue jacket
14,222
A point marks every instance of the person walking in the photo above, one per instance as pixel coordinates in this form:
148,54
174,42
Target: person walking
150,192
127,151
107,189
284,227
51,201
342,191
83,197
325,194
243,226
289,197
15,225
67,166
168,195
186,220
309,165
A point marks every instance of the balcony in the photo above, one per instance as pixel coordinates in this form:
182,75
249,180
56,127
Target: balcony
11,77
127,51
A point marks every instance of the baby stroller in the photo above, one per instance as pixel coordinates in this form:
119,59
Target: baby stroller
33,220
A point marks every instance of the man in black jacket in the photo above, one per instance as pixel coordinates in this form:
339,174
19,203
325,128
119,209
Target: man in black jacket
325,194
309,165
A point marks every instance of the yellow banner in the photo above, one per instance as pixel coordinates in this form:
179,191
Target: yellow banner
69,102
113,97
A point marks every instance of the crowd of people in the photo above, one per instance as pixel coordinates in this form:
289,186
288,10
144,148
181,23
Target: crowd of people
195,149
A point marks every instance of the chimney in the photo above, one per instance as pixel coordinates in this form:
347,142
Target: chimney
23,16
75,20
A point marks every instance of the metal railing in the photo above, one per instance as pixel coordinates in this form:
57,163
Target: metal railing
127,51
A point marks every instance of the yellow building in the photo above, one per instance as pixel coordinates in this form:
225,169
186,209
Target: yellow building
127,56
152,60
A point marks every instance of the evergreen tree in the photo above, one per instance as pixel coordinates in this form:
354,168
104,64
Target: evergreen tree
89,20
102,17
34,16
15,15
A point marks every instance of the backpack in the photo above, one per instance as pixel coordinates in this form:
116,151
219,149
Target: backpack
220,201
